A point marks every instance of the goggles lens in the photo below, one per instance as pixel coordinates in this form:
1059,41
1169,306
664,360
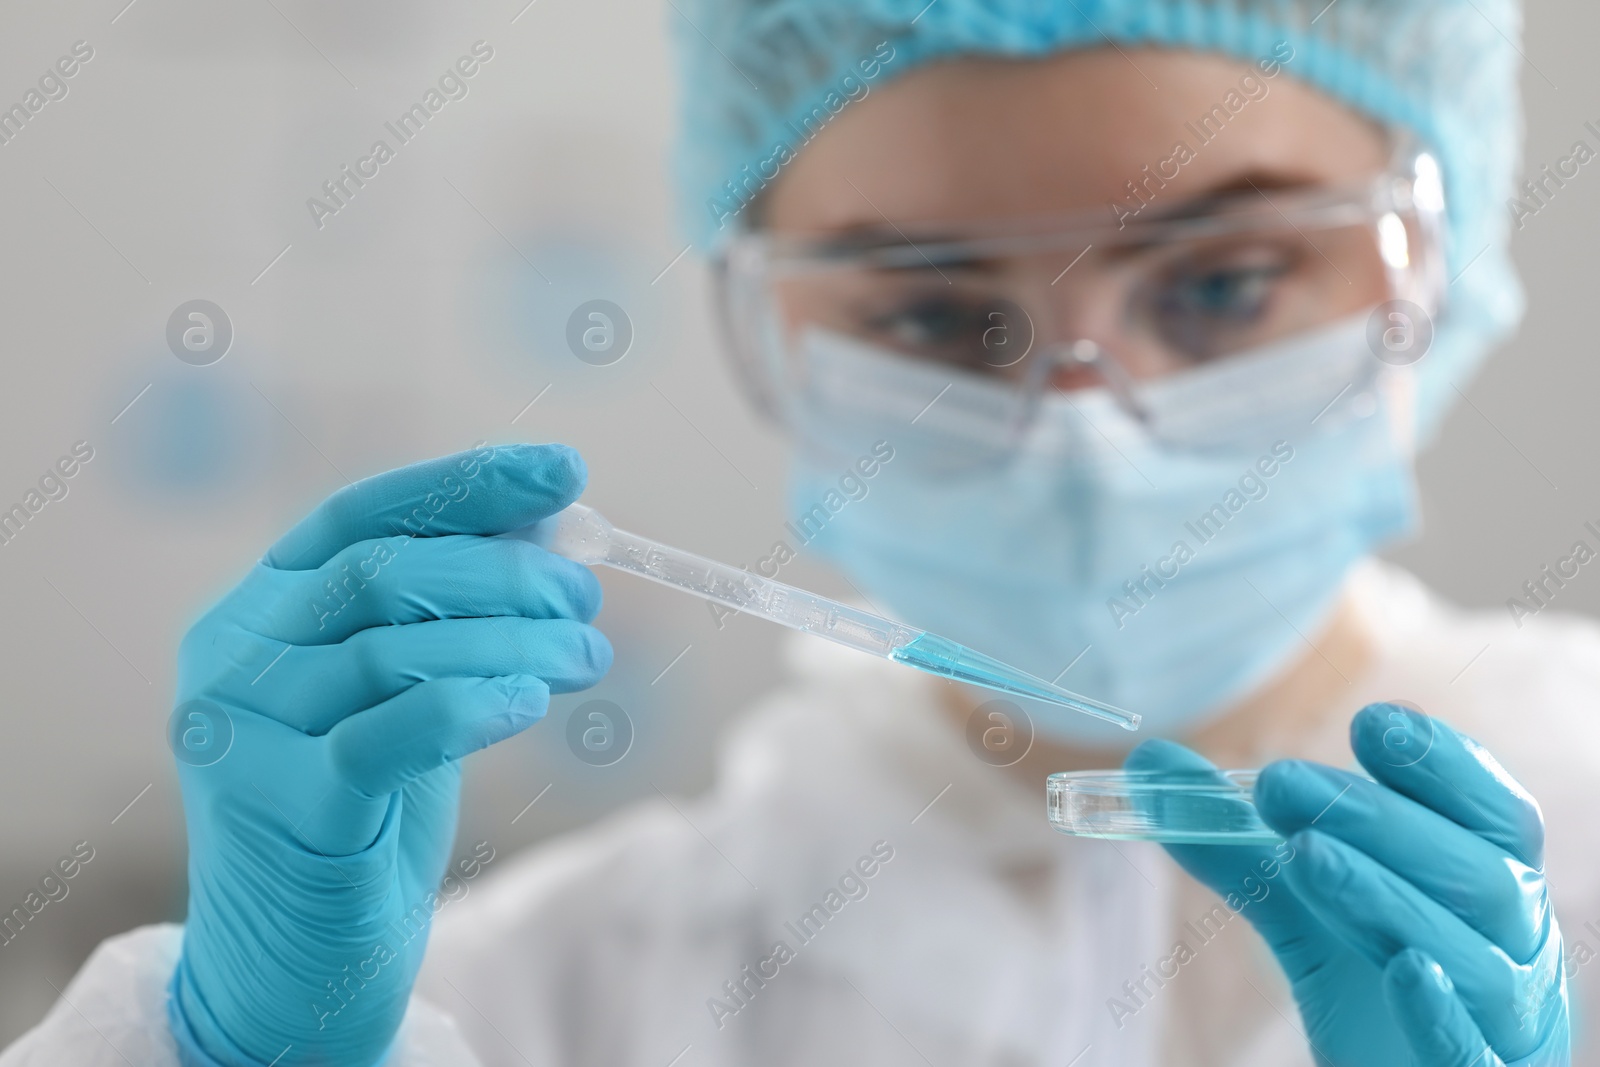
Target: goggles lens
1006,317
1157,308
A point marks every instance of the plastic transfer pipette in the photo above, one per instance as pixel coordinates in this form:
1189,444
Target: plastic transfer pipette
583,535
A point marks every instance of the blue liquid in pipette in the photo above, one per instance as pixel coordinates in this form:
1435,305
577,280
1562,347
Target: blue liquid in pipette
947,659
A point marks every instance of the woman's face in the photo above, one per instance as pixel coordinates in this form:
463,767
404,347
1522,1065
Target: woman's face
1092,133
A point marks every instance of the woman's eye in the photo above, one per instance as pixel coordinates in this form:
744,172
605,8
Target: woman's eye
1233,294
1205,311
937,327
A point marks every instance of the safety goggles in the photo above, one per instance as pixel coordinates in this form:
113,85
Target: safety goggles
1271,297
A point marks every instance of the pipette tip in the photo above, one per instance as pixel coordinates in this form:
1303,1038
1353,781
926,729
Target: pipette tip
946,658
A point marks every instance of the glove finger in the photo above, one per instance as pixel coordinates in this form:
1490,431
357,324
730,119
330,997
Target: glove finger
312,688
1240,874
1502,899
1379,914
1421,757
406,580
378,751
1436,1025
482,491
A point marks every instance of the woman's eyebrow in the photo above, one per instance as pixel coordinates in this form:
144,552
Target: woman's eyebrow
1230,187
857,237
871,233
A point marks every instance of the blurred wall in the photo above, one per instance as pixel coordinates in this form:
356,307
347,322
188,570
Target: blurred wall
430,311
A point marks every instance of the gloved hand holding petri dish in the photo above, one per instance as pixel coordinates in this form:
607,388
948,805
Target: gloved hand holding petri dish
1407,905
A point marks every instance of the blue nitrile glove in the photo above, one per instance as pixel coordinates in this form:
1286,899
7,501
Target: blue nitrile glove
322,708
1410,914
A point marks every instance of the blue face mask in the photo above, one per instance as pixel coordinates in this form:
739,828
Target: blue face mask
1166,581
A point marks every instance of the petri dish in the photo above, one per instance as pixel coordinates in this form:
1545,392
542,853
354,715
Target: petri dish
1175,807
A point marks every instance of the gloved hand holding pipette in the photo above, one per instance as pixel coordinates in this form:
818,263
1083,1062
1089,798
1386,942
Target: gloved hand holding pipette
323,829
329,819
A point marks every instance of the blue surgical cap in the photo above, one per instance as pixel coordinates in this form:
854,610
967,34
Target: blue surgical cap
760,76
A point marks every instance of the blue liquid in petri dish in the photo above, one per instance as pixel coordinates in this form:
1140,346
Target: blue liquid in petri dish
1174,807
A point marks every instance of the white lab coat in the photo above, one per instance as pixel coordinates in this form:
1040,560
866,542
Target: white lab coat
983,939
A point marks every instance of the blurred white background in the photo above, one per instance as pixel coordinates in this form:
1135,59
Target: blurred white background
427,314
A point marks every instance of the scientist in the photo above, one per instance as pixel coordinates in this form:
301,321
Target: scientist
1152,300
